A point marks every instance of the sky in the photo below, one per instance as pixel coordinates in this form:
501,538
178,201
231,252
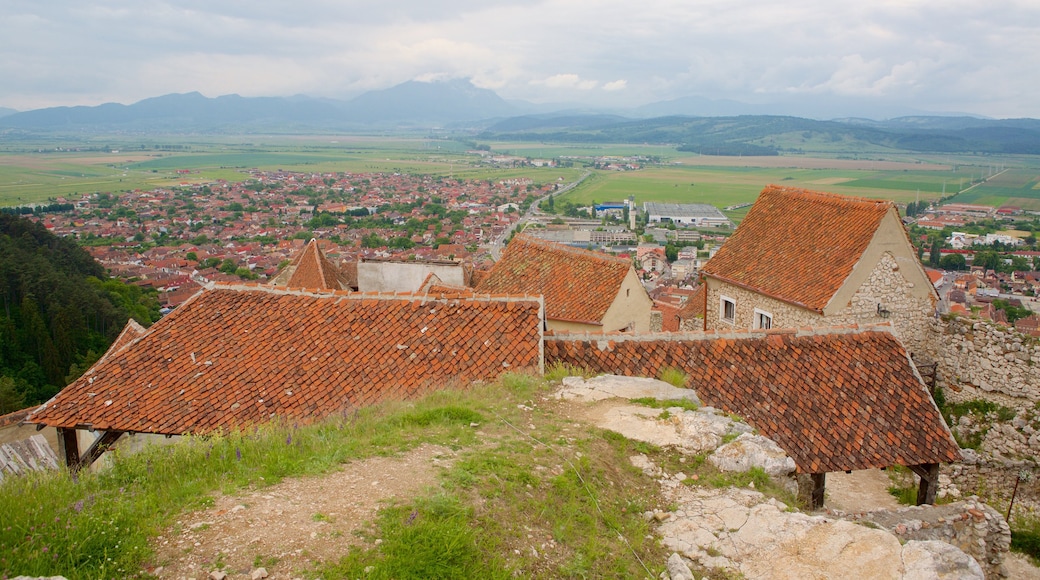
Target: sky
942,56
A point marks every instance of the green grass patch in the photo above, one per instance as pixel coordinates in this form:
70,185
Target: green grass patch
557,370
430,538
673,376
1025,536
685,404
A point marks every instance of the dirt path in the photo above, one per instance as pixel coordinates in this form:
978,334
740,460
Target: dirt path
288,527
860,491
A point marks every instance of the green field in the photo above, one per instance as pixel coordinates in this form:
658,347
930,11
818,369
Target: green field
37,171
1018,187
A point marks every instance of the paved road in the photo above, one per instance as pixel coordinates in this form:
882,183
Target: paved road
496,246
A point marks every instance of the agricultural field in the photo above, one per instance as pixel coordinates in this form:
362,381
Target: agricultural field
729,181
36,172
1019,187
33,172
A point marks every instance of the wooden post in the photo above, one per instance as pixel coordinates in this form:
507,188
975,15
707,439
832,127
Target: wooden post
819,486
97,448
68,447
929,474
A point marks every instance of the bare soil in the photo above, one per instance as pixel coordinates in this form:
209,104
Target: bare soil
288,527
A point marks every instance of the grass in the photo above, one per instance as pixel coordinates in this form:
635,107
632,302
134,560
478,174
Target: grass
673,376
1025,536
546,502
685,404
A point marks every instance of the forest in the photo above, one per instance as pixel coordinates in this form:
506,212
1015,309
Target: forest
59,312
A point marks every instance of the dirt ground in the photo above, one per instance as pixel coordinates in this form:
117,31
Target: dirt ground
289,527
286,528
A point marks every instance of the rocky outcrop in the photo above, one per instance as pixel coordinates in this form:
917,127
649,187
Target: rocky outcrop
748,451
971,526
739,530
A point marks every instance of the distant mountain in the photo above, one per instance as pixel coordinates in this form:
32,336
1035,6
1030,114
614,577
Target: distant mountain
4,111
410,103
817,107
443,101
761,134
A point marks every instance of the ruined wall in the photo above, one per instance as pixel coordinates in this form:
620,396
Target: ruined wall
982,360
972,526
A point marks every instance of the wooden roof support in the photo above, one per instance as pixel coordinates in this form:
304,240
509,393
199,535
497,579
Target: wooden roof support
819,486
929,474
68,448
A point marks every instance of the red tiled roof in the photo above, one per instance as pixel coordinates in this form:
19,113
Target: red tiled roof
131,332
834,399
578,285
797,245
239,355
311,269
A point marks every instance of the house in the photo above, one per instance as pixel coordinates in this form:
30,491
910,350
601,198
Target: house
239,355
809,258
583,290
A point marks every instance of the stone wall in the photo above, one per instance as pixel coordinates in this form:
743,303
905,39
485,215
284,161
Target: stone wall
884,288
982,360
970,525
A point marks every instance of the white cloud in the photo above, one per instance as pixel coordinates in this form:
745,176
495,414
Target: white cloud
957,55
567,81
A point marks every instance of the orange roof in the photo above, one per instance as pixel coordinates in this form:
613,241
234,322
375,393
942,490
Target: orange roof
797,245
834,399
578,285
239,355
131,332
933,275
311,269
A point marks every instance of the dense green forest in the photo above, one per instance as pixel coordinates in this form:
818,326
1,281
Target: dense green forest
59,311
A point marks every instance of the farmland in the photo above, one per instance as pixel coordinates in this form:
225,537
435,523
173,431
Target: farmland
35,172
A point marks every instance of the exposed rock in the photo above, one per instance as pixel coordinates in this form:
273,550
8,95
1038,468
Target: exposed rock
930,559
748,451
677,568
258,574
610,386
217,575
741,531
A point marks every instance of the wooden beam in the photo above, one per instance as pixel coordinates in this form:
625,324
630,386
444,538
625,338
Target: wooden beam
819,486
929,474
97,448
68,447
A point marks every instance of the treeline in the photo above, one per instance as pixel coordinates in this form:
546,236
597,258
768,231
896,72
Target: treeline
59,312
38,209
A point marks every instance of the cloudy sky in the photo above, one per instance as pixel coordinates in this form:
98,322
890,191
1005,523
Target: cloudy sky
935,55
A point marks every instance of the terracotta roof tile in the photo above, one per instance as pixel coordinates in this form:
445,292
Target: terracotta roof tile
578,285
239,355
798,245
311,269
835,399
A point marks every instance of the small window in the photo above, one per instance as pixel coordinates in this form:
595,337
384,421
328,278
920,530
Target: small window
763,320
728,309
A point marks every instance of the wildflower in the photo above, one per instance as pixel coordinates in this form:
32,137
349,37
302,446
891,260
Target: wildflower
288,440
45,549
238,454
78,506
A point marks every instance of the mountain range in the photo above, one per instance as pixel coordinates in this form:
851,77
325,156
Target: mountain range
695,123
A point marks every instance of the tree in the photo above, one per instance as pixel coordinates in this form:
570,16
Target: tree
11,397
935,254
953,262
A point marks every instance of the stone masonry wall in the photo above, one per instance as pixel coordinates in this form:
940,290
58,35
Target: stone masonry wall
911,316
982,360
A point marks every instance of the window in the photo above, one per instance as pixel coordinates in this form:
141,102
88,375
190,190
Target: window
763,320
727,309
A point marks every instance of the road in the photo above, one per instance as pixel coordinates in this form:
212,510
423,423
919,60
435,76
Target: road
496,246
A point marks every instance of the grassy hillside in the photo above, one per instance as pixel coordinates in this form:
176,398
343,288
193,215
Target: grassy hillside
523,468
